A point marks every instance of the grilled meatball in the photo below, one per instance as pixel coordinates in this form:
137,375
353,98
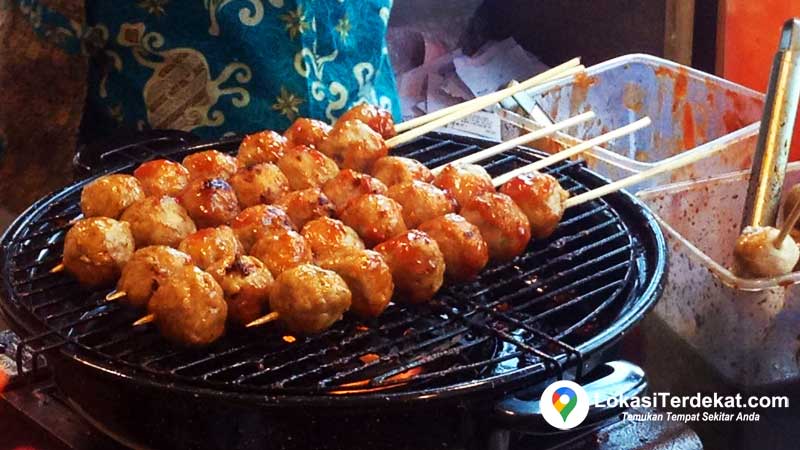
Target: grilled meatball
189,308
375,218
756,254
210,202
96,249
158,221
211,245
367,276
503,225
325,236
397,169
210,164
464,182
308,132
110,195
146,270
305,205
417,266
421,201
464,250
309,299
264,147
245,283
260,183
306,168
541,198
349,184
282,250
353,145
259,220
162,177
379,119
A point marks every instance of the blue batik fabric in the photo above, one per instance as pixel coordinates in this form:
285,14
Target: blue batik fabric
216,67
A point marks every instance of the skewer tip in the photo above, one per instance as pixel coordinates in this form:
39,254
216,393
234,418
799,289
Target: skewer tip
145,320
262,320
58,268
115,295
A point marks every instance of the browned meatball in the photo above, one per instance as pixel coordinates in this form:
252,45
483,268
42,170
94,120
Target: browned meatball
146,270
541,198
464,250
309,299
264,147
258,220
379,119
245,283
375,218
417,266
306,168
353,145
421,201
504,226
110,195
308,132
325,236
162,177
210,164
305,205
397,169
211,245
189,308
261,183
367,276
96,249
210,202
158,221
281,250
349,184
464,182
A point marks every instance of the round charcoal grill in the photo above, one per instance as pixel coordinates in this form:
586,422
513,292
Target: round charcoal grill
550,313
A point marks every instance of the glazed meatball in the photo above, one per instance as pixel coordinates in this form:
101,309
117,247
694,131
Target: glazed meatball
210,164
146,270
503,225
417,266
281,250
189,308
212,245
261,183
308,132
210,202
349,184
379,119
397,169
464,250
309,299
306,168
245,283
162,177
263,147
375,218
367,276
353,145
421,201
325,236
757,256
464,182
541,198
110,195
305,205
258,220
96,249
158,221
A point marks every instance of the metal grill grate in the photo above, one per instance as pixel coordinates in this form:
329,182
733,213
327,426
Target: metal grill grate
527,316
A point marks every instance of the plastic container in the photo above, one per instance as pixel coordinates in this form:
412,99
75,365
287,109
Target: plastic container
747,330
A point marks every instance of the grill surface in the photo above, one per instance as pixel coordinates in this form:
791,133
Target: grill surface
546,310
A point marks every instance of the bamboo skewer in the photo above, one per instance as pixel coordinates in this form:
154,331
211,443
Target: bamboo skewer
145,320
115,295
549,75
58,268
787,225
264,319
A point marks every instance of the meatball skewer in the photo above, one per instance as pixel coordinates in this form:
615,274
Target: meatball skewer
767,251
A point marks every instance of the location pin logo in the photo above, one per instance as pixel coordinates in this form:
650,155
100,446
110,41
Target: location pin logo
564,404
564,400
